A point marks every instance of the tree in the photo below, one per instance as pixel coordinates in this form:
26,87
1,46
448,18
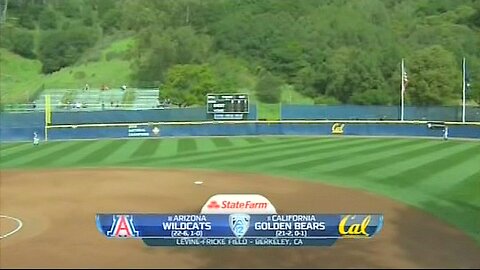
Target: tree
70,8
268,89
3,18
48,19
111,20
159,49
186,85
58,49
23,43
434,76
233,73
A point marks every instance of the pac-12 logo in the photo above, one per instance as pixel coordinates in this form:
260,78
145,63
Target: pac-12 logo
122,226
351,226
239,224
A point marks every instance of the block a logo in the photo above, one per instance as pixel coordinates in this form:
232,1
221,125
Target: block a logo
123,227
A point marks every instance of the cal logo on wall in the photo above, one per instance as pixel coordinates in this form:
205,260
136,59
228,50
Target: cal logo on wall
122,226
337,128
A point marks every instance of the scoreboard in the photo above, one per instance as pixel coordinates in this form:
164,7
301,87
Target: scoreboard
239,229
227,106
240,220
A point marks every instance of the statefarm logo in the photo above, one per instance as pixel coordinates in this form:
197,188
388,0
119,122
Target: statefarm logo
238,203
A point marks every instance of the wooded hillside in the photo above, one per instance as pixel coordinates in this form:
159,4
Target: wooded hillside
334,51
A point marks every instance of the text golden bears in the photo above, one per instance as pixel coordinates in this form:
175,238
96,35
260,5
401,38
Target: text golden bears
350,226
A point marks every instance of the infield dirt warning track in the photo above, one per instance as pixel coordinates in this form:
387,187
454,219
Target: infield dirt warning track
57,209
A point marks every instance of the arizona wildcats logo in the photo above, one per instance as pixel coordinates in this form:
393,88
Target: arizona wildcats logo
122,226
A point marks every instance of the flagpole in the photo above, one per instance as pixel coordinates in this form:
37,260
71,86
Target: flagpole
402,109
463,90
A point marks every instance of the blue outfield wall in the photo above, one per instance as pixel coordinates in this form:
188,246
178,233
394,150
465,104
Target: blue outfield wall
130,116
172,130
20,126
257,129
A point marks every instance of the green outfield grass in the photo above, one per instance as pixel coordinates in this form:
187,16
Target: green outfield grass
440,177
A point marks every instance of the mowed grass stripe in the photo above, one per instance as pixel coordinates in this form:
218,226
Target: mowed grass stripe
443,181
468,190
7,152
50,158
441,163
265,144
415,159
69,160
124,152
186,145
4,147
343,153
26,152
102,153
227,155
180,157
147,148
167,148
293,152
392,154
221,142
461,214
373,159
253,140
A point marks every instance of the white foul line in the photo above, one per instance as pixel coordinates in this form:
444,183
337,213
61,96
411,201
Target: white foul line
19,222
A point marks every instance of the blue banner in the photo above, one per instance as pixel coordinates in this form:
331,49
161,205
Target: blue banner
239,229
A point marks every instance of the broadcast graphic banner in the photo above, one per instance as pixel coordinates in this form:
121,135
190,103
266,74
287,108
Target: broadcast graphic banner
239,229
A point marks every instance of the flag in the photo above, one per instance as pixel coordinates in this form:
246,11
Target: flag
467,82
405,78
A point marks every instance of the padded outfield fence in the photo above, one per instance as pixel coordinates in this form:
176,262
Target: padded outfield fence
241,128
258,128
315,120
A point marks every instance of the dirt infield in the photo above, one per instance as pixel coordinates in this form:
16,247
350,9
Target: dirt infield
8,226
58,210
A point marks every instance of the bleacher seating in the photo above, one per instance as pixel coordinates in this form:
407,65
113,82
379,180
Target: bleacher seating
92,99
112,96
145,98
56,96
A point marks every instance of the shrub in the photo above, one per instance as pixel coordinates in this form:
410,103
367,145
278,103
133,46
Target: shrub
326,100
79,75
268,89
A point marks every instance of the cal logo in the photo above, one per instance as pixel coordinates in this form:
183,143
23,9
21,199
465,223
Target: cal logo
350,226
122,226
337,128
